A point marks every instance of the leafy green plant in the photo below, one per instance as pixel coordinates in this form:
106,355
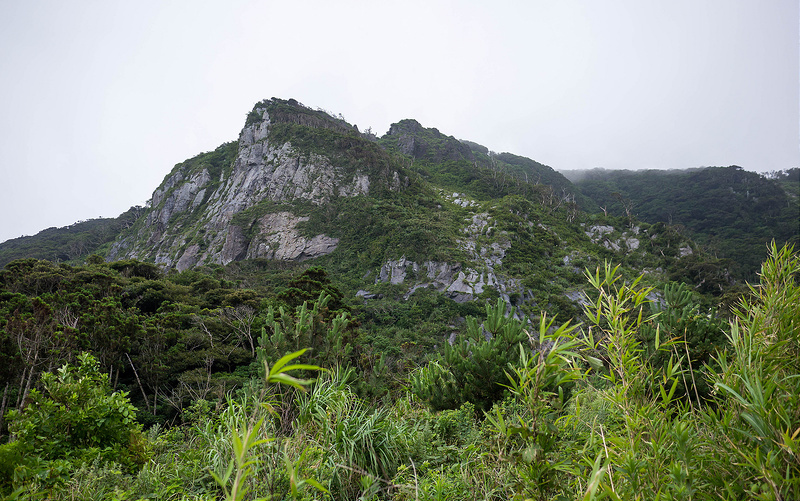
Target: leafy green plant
76,419
473,368
245,435
310,326
701,332
645,431
758,387
362,441
76,410
540,382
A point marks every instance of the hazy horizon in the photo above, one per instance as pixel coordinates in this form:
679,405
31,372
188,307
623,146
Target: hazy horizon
100,101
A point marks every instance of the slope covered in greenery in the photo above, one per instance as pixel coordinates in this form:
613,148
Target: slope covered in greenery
70,243
614,408
732,212
455,164
154,383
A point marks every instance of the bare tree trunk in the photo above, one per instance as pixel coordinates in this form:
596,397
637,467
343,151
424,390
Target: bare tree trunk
28,384
3,407
196,320
135,373
241,319
21,385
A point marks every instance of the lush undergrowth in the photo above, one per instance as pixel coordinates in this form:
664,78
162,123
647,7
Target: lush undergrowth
730,211
642,400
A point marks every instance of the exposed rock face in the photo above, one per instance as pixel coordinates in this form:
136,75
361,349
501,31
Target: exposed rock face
460,281
278,238
419,142
192,217
602,235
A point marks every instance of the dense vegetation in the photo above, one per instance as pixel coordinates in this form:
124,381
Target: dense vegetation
290,380
730,211
71,243
470,167
617,406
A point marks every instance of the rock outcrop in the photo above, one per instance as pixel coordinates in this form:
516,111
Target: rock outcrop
412,139
203,214
601,234
459,281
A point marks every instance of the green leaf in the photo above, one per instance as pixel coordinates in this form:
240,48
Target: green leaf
316,485
290,381
277,366
594,362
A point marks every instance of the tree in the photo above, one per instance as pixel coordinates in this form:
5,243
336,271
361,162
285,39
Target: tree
473,369
76,416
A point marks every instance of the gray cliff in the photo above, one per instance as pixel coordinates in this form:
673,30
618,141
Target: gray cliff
193,215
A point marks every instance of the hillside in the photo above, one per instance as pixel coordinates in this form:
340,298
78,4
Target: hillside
414,207
733,213
409,233
312,312
71,243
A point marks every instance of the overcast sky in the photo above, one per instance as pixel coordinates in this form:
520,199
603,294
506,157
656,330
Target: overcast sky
100,99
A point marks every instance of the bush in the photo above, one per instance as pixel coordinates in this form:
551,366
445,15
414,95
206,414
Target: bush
77,416
474,368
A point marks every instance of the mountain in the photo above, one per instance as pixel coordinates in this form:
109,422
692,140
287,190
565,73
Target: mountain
415,208
245,199
452,162
71,243
423,273
305,218
732,212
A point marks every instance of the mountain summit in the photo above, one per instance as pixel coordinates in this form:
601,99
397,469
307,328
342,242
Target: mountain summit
232,203
415,209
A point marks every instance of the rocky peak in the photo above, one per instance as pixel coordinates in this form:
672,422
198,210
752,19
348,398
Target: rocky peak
235,202
291,111
411,138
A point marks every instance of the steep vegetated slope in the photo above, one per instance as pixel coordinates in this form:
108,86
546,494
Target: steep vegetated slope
71,243
732,212
789,180
246,199
459,164
412,264
415,209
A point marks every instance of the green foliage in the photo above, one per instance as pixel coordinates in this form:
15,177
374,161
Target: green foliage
366,441
372,230
75,418
181,335
701,333
307,287
595,413
71,243
328,335
472,369
645,402
347,149
540,174
759,387
76,410
540,383
245,437
731,211
644,432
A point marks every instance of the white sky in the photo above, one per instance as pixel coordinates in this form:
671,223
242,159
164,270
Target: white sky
99,99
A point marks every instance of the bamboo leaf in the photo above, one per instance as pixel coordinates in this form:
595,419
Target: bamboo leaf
277,366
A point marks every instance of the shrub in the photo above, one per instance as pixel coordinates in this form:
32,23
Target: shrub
474,368
75,413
